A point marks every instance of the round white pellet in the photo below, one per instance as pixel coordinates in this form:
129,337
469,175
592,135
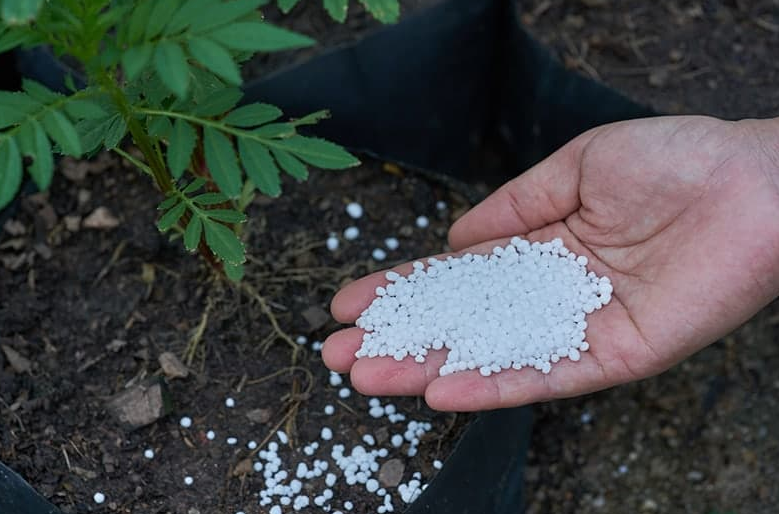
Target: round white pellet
210,435
335,379
440,205
186,422
392,243
232,440
329,410
326,434
422,222
372,485
354,210
257,466
148,453
301,340
378,254
332,243
188,480
99,498
251,445
275,510
437,464
397,440
229,403
348,505
283,438
351,233
344,392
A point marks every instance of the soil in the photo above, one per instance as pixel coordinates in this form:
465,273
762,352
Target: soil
90,311
703,436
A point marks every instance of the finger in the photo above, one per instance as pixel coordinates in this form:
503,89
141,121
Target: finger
339,347
384,376
546,193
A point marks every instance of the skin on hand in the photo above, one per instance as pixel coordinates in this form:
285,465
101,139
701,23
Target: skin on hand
678,211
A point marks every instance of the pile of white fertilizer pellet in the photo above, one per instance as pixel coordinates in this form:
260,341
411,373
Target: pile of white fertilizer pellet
522,305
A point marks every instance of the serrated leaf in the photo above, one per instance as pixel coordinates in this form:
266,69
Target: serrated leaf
135,59
223,242
91,132
219,102
10,171
234,272
318,152
34,143
290,164
189,12
192,233
159,126
226,215
19,12
215,58
252,115
160,16
168,202
14,107
16,36
259,37
194,185
260,167
311,119
171,217
40,92
275,130
84,109
221,162
287,5
386,11
337,9
62,131
116,131
181,143
210,199
138,19
171,66
223,13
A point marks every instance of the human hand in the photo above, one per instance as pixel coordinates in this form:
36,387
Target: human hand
680,212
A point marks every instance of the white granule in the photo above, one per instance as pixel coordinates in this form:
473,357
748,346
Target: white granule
332,243
392,243
188,480
378,254
523,305
99,498
185,422
229,403
329,410
354,210
210,435
422,222
148,453
351,233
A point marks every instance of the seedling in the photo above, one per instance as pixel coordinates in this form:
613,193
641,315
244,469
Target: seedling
168,74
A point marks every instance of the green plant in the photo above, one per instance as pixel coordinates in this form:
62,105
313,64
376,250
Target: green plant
166,73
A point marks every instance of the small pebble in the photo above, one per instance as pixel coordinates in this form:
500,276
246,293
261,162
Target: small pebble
188,480
186,422
351,233
378,254
99,498
391,243
229,403
149,453
422,222
354,210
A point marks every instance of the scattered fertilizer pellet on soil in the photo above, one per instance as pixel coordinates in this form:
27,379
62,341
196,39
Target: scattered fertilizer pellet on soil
392,243
317,346
210,435
229,403
437,464
335,379
186,422
526,307
232,441
378,254
99,498
188,480
251,445
326,434
344,392
282,435
301,340
440,205
422,222
332,243
351,233
329,410
148,453
354,210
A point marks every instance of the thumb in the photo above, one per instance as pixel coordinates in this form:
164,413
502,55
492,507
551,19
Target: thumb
546,193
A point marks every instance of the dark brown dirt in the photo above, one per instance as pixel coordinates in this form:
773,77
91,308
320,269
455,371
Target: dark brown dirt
703,436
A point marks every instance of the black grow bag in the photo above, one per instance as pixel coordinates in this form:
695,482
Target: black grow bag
437,92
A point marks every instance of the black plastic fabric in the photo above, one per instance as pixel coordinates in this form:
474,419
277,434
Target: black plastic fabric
17,497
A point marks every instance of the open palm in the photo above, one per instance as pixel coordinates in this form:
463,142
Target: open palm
678,211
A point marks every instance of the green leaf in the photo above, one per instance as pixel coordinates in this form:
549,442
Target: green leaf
159,126
291,164
194,185
287,5
84,109
16,36
10,171
171,217
170,63
192,233
92,132
135,59
224,243
223,13
311,119
219,102
116,131
14,107
34,143
252,115
20,12
168,202
215,58
226,215
275,130
62,131
210,199
221,162
234,272
260,167
259,37
337,9
40,92
318,152
160,16
386,11
181,143
138,20
189,12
